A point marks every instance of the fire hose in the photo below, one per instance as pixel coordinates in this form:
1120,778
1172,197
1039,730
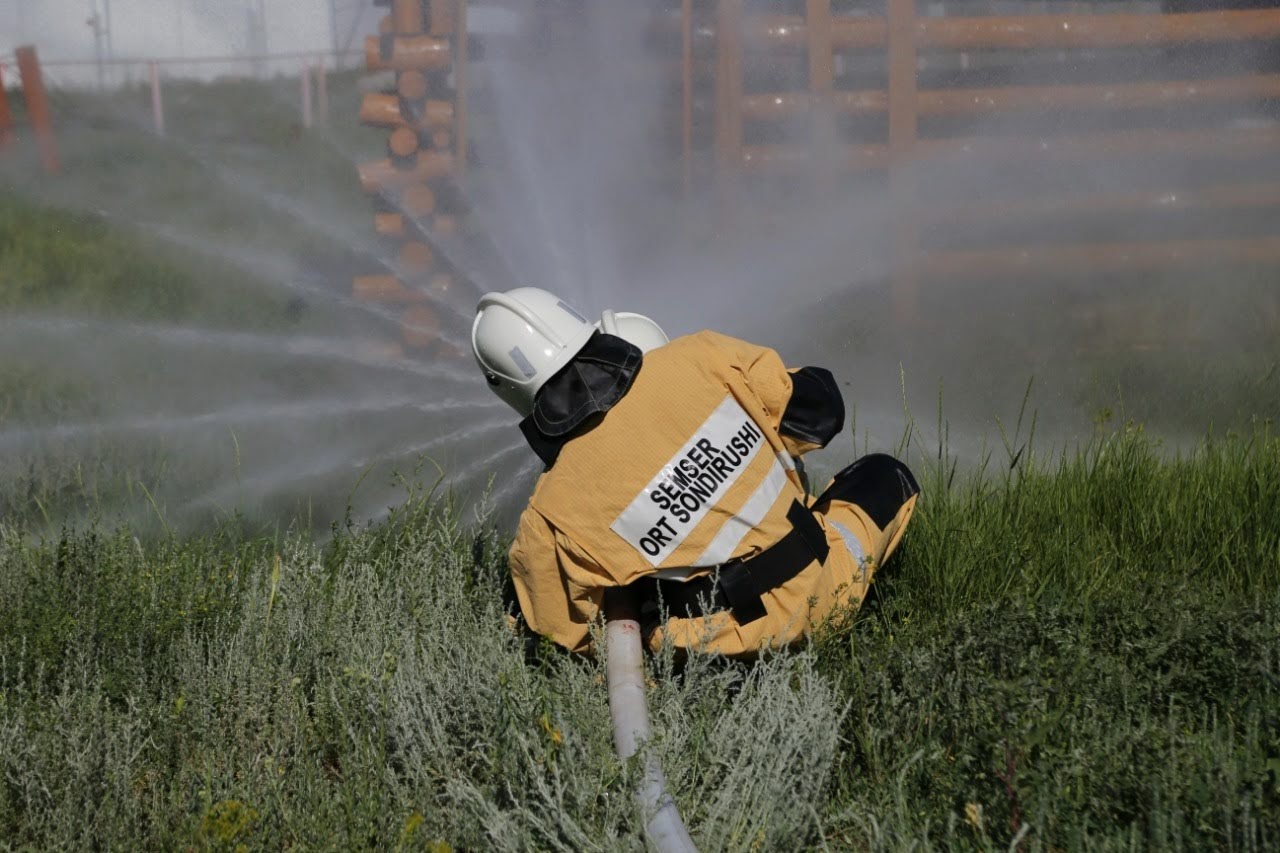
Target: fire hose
624,665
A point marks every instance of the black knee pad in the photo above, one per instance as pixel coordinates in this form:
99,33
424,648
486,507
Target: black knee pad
877,483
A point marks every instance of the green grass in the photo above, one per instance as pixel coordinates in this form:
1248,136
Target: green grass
1078,652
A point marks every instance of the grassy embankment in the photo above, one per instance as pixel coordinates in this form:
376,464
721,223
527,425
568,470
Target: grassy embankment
1080,652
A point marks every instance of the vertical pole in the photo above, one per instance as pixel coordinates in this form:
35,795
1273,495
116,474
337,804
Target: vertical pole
821,86
334,44
305,79
728,96
6,114
322,92
686,93
461,40
444,15
903,127
182,35
111,49
38,106
821,59
157,100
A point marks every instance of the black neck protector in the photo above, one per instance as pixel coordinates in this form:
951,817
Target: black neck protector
579,395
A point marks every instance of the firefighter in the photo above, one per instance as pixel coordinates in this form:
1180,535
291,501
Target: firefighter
671,470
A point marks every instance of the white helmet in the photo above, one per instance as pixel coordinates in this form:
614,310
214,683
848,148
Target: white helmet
635,329
522,338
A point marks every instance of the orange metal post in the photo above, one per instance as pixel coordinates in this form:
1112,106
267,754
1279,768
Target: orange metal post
6,115
38,106
903,126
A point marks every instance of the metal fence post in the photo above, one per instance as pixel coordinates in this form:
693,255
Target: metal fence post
157,99
6,114
305,79
38,106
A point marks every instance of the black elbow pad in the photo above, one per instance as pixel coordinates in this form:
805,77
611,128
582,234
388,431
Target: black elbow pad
815,412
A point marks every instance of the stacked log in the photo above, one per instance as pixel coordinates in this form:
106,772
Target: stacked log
423,42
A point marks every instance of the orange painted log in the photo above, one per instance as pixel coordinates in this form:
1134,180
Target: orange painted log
1025,32
389,224
1099,257
445,225
1118,96
790,159
407,17
419,326
1096,31
413,85
1021,211
6,114
406,53
38,106
790,31
784,105
418,201
379,110
1220,144
1215,143
385,288
1004,99
381,175
403,144
444,17
441,140
416,259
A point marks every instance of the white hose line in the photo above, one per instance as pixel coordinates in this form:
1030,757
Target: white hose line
624,664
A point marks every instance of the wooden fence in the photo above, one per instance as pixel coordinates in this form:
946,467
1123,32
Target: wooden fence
925,93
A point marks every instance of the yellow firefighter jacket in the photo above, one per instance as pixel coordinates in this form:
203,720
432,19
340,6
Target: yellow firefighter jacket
690,468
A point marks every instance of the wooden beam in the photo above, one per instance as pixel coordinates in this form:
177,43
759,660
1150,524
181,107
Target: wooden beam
1025,32
985,264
